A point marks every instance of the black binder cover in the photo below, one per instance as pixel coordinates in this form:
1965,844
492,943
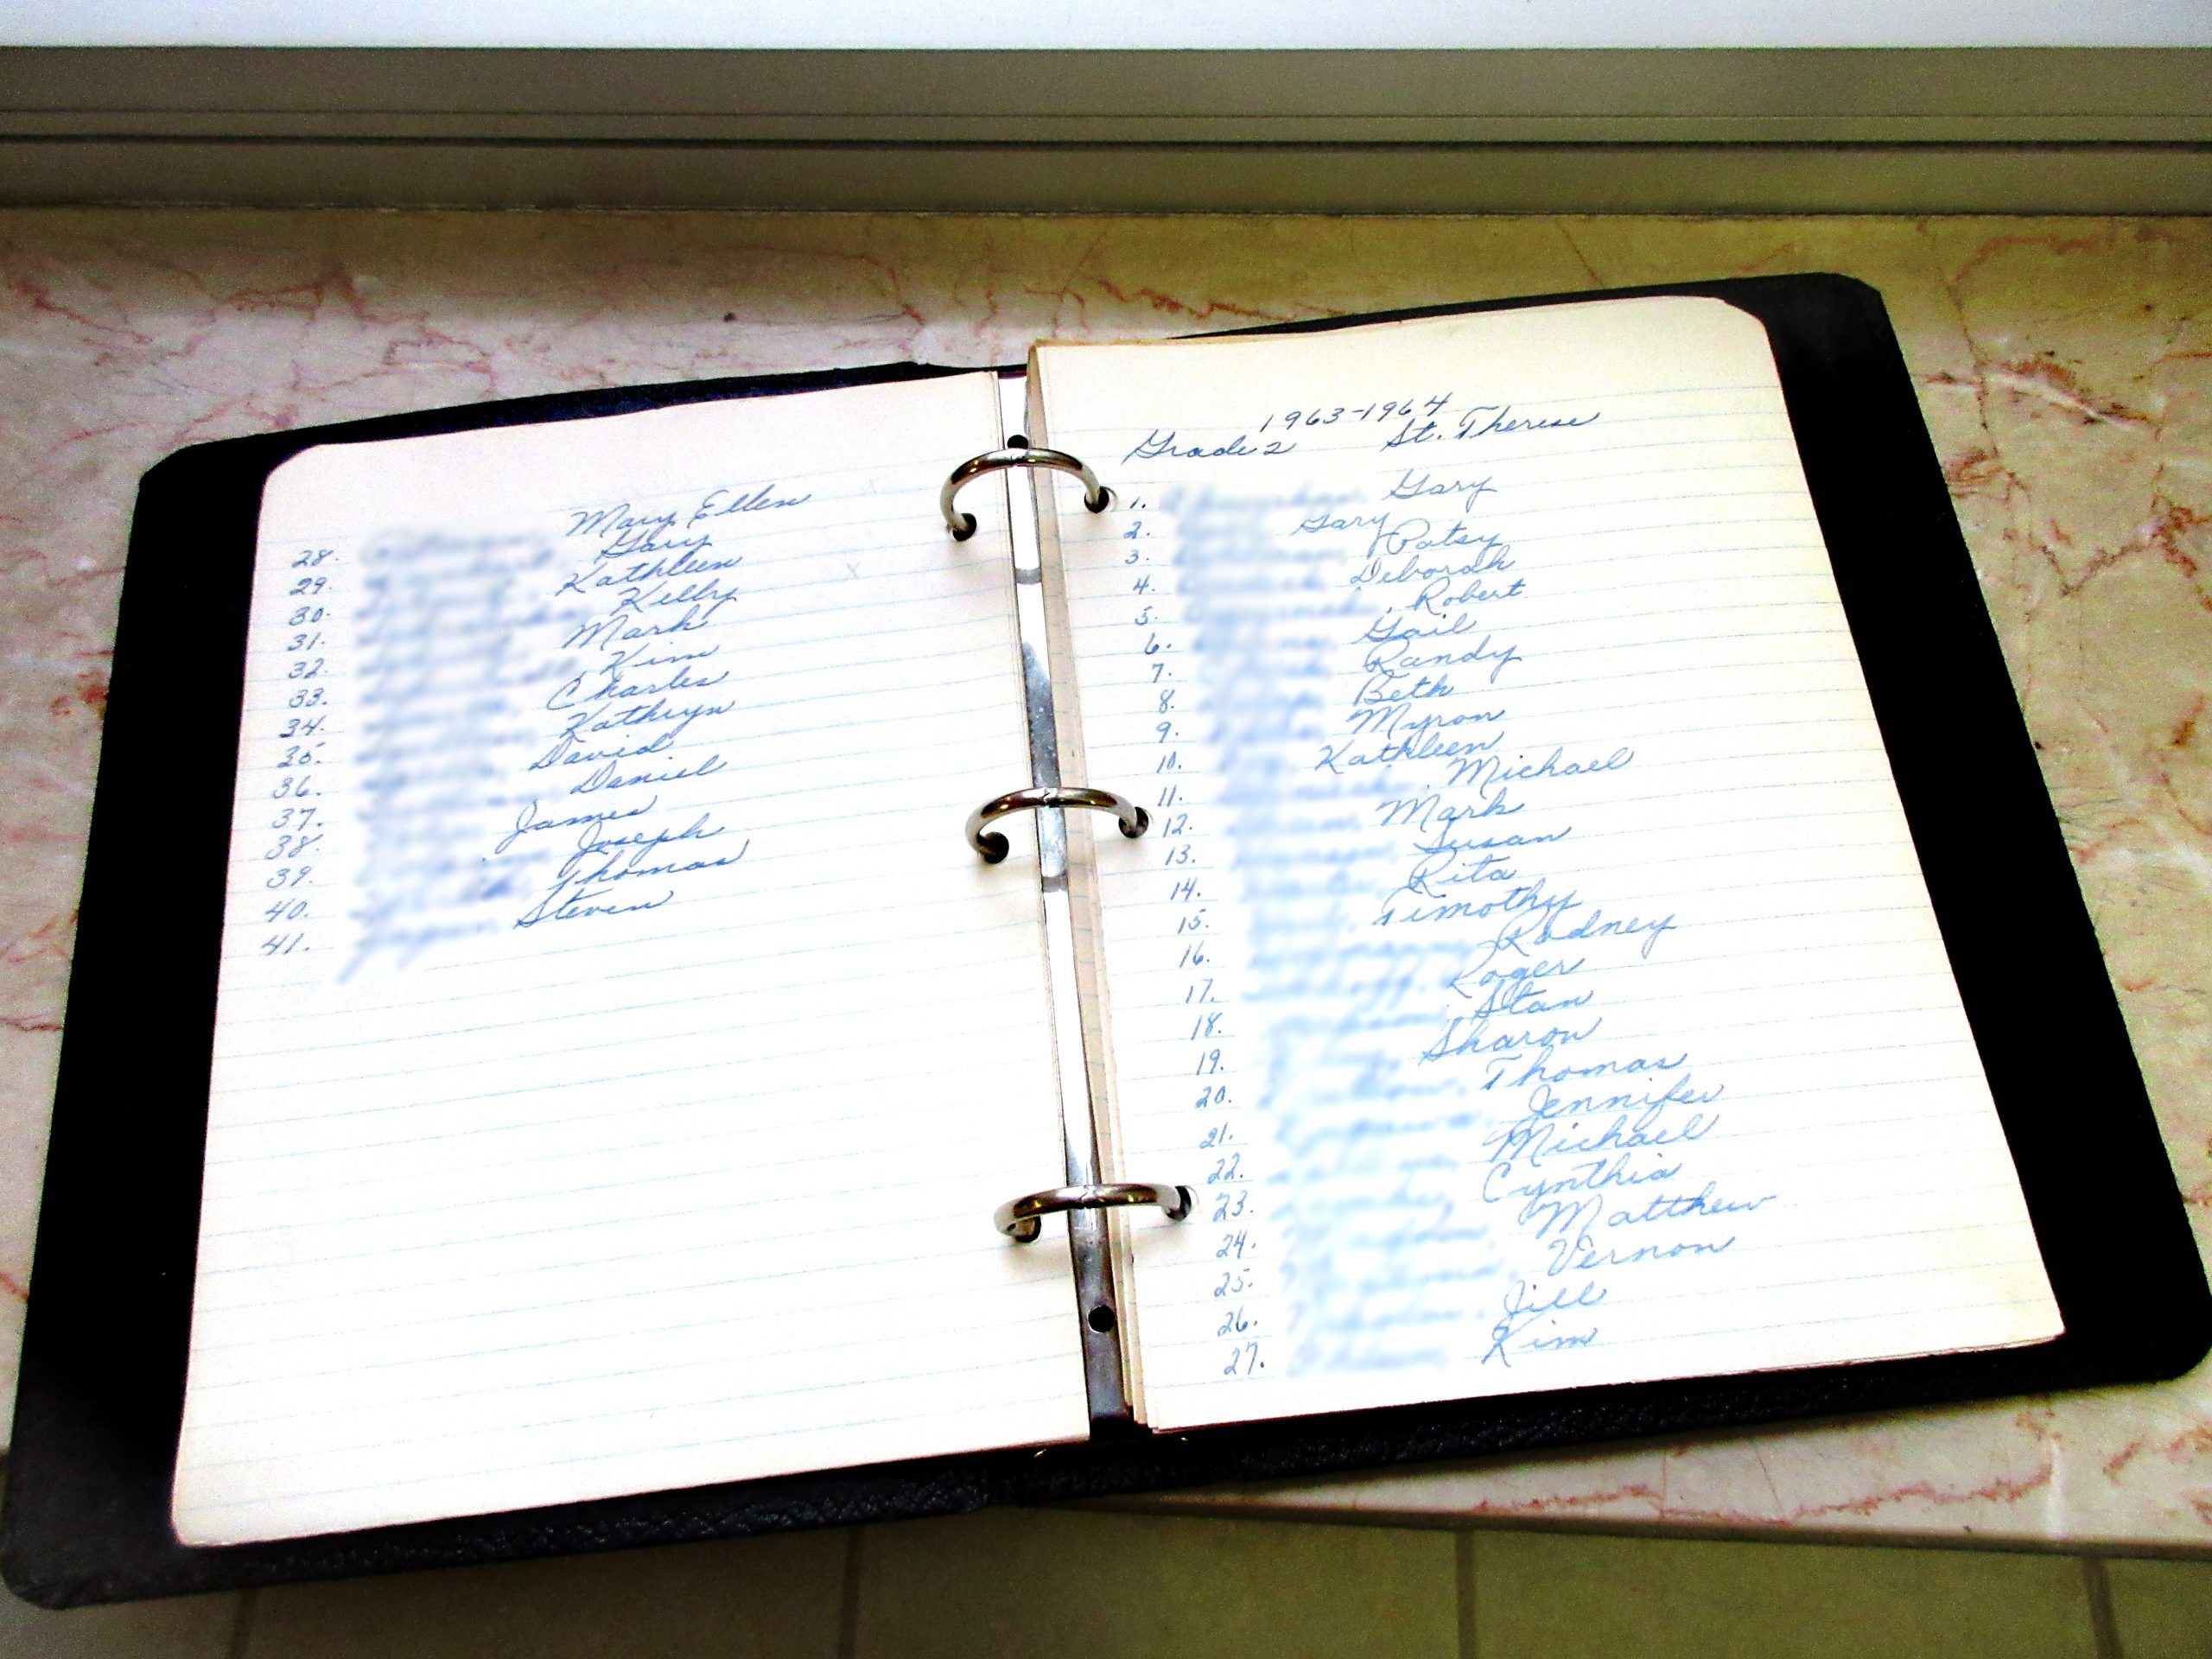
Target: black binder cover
102,1392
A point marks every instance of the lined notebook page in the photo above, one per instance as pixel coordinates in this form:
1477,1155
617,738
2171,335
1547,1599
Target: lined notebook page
1529,967
620,1052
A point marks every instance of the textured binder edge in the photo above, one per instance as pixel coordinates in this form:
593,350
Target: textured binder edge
86,1516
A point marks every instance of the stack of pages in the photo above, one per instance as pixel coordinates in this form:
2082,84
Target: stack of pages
621,1052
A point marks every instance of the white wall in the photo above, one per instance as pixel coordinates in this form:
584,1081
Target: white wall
1107,23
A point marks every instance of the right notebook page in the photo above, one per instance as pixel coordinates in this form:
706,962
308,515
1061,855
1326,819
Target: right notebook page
1529,968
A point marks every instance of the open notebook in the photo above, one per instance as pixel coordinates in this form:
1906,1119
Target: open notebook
1525,980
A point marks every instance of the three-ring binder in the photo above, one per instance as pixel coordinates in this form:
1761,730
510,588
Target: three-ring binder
1021,1219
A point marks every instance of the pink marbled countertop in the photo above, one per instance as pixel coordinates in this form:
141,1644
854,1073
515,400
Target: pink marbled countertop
2064,366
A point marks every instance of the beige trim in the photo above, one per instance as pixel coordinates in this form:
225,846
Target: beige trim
2116,83
1589,178
2058,130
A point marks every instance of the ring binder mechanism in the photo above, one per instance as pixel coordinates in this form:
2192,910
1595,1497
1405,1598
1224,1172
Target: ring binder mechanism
1087,1195
1018,453
1022,1219
992,846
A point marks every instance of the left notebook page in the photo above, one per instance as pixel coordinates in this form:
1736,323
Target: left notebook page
619,1051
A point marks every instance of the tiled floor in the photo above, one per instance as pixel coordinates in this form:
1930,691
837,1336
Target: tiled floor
1047,1582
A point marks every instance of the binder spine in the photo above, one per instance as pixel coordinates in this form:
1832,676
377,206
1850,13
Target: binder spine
1087,1194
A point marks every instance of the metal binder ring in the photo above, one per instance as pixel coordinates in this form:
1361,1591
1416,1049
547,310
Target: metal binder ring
993,846
1023,1219
1095,496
